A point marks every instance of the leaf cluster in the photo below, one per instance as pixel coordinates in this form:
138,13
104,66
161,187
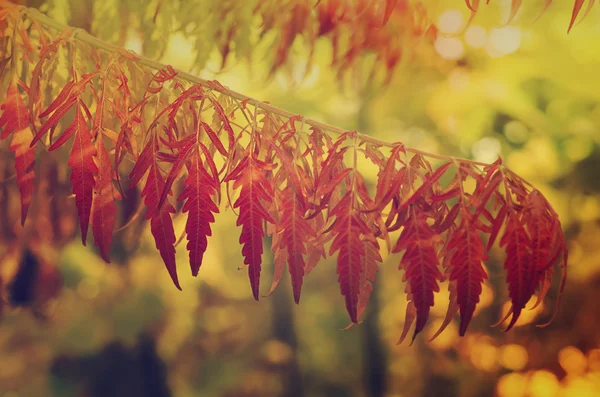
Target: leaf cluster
195,148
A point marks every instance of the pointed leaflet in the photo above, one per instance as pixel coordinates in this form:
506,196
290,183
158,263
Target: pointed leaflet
520,268
347,230
66,99
82,165
279,257
368,275
427,184
514,8
420,263
161,224
576,10
466,253
15,120
255,188
197,193
296,230
450,312
104,208
547,242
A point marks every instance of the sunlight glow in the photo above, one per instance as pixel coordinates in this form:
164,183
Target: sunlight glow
514,357
594,360
486,149
572,360
512,385
476,36
450,21
134,42
543,384
504,41
450,48
484,355
581,387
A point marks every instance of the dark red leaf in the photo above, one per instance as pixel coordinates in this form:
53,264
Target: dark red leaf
255,189
83,169
104,208
199,187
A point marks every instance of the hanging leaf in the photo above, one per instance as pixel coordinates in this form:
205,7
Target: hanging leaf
198,194
250,177
104,208
303,188
161,224
15,121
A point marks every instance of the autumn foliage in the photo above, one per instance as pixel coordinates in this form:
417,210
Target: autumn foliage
190,145
515,6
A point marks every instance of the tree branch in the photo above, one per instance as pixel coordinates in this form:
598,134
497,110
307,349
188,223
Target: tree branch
85,37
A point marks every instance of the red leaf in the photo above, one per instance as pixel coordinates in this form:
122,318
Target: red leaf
547,242
497,224
225,120
296,230
161,224
250,176
347,230
67,98
420,264
104,208
466,253
214,138
427,184
15,120
521,271
83,169
161,227
197,193
187,146
369,275
59,100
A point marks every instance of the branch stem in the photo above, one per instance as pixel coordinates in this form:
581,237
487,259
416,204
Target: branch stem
87,38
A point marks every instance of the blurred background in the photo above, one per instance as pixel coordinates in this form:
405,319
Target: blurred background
526,91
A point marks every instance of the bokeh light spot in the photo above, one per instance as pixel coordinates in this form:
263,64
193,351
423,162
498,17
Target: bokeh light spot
516,131
512,385
476,36
504,41
486,150
514,357
450,21
594,360
449,48
543,384
484,356
572,360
